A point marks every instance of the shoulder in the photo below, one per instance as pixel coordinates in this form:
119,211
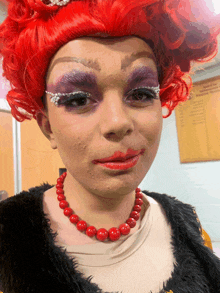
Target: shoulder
180,215
23,226
189,249
167,200
23,198
27,204
172,205
27,239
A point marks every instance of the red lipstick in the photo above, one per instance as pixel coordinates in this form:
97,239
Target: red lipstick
121,161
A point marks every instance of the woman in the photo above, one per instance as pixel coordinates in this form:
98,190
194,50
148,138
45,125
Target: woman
95,75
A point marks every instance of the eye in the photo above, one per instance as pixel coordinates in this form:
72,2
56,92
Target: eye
143,95
76,100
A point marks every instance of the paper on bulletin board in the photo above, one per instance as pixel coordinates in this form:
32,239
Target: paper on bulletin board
198,123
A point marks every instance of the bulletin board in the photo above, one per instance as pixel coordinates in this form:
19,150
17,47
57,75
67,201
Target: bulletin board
198,123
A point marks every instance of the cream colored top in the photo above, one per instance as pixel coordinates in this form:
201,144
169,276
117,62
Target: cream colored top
138,262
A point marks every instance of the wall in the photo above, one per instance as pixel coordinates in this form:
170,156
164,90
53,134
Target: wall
40,163
6,153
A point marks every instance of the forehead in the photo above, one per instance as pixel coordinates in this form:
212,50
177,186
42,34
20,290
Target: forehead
93,46
101,55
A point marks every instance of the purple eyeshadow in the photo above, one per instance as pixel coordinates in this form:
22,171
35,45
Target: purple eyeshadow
79,80
143,74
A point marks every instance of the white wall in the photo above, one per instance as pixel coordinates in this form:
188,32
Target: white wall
3,11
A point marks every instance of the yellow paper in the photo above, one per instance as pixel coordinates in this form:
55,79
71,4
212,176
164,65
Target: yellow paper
198,123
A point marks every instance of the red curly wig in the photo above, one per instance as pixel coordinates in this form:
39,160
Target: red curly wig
180,31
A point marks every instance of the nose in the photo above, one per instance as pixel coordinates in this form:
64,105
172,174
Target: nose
116,119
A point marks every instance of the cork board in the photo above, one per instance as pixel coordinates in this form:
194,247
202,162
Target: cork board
198,123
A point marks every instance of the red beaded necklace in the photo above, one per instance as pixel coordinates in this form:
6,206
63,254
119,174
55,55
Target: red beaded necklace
102,234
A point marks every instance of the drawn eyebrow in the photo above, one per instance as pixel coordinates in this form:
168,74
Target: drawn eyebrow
94,64
128,60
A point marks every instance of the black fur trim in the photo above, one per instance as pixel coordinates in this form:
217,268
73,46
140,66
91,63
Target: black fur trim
198,268
32,262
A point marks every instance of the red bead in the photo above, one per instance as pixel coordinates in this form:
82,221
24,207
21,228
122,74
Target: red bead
60,191
139,195
68,212
139,201
124,229
102,234
74,219
114,234
63,175
81,226
135,215
91,231
63,204
131,222
137,208
61,197
59,185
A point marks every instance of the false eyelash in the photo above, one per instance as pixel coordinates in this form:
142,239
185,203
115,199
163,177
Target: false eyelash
56,97
155,89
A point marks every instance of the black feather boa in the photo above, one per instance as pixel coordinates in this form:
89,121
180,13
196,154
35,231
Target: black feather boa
31,262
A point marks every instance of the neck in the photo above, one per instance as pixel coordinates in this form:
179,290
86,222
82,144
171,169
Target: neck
100,210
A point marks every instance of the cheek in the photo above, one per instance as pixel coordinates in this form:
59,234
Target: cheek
70,139
151,126
72,135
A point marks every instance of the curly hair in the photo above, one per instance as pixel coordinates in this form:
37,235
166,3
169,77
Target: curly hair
179,31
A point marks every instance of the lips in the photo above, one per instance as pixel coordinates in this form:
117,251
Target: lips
120,157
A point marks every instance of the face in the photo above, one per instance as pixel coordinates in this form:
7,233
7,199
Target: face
107,103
